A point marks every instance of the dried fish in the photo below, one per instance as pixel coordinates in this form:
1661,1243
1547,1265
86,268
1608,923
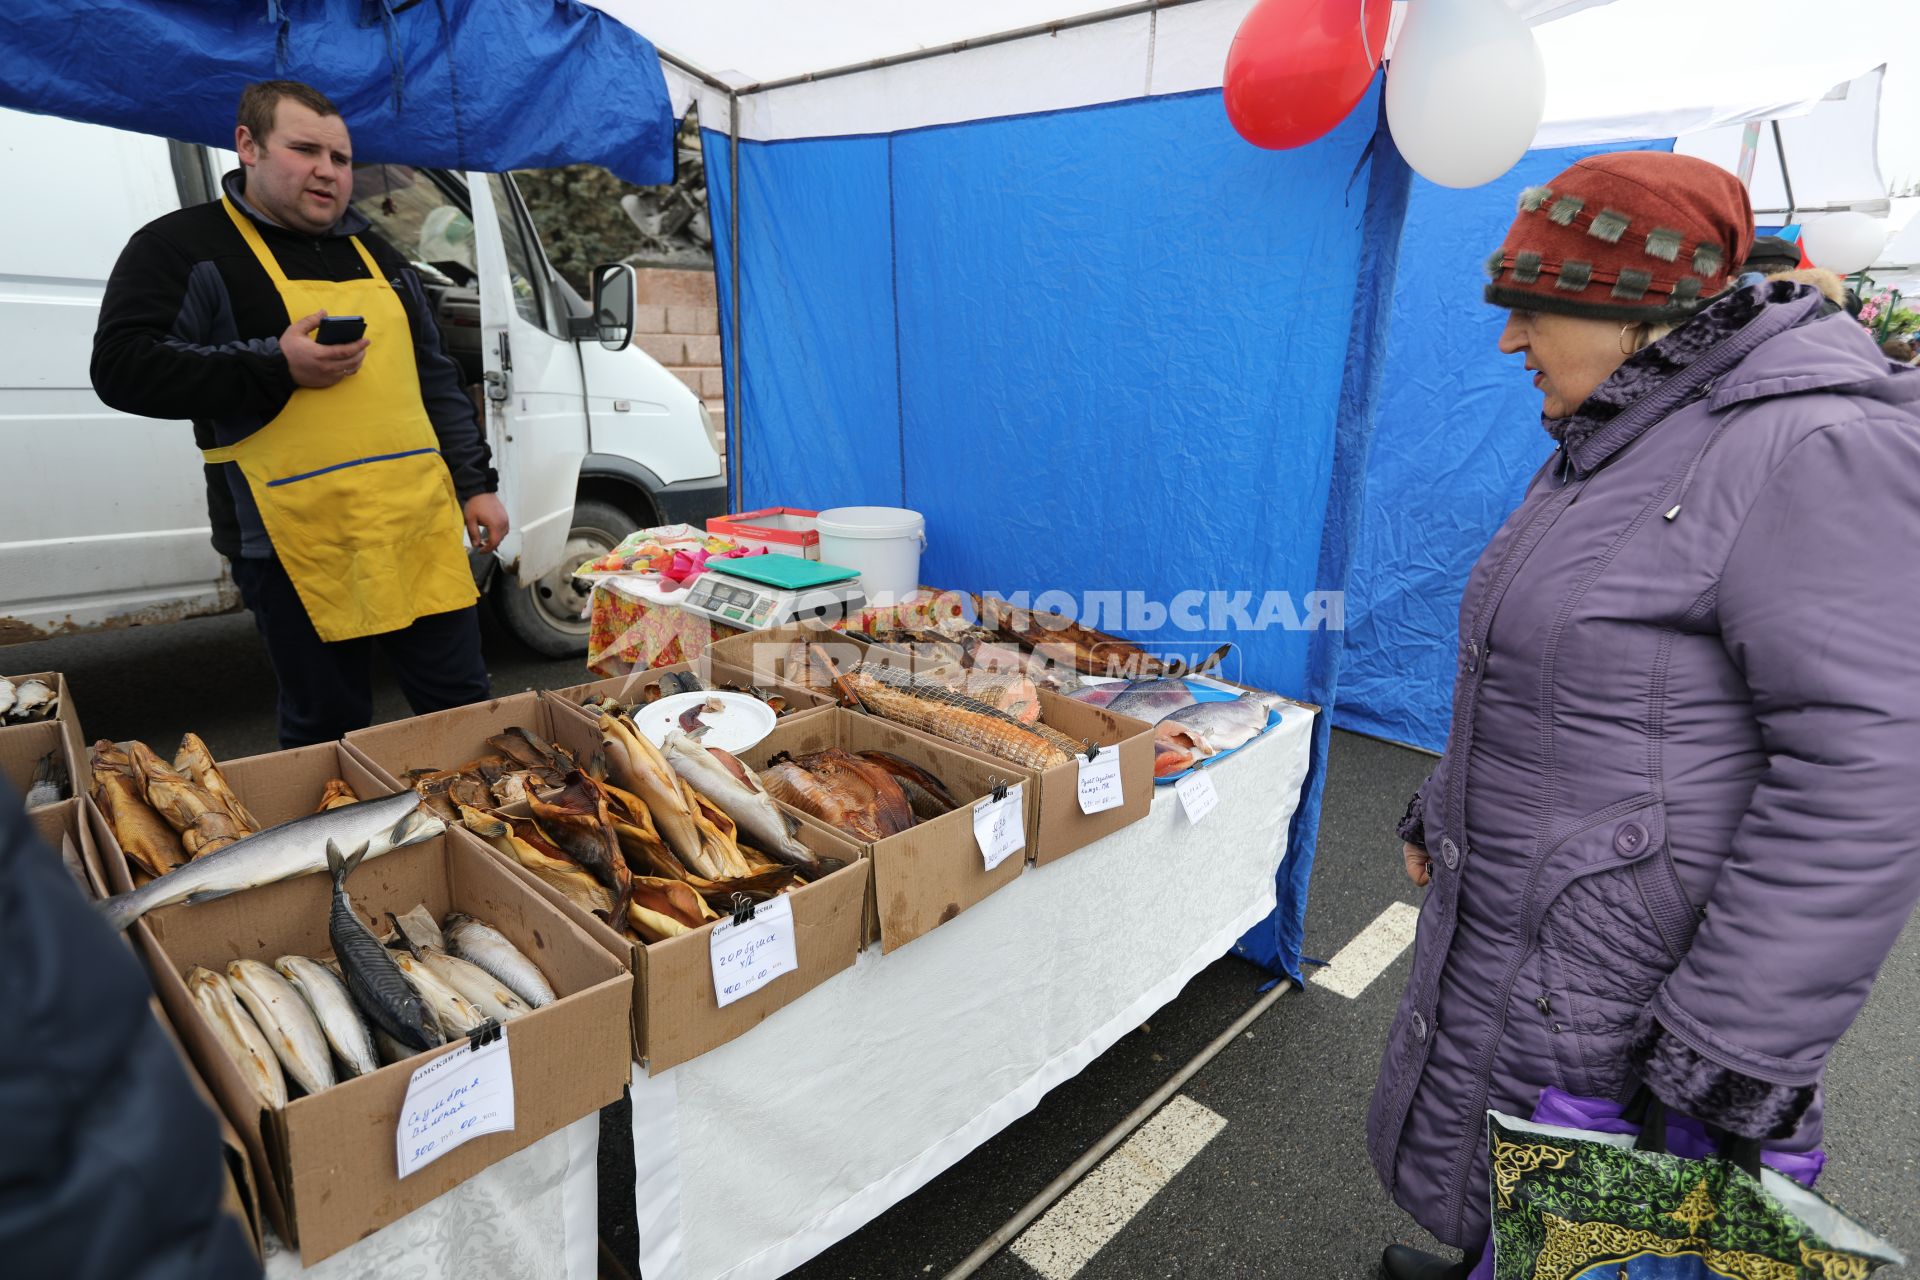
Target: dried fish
337,794
50,783
636,765
340,1021
142,833
286,1020
239,1035
925,705
196,762
574,819
204,824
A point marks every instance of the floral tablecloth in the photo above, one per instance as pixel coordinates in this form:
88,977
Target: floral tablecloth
636,625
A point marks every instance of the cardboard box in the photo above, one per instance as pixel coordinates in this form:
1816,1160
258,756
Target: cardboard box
23,746
329,1169
64,827
675,1013
931,872
67,716
1063,827
769,658
632,687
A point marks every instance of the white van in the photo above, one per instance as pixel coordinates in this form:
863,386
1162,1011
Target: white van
103,519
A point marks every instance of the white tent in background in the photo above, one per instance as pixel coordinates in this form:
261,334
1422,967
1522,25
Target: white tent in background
1822,161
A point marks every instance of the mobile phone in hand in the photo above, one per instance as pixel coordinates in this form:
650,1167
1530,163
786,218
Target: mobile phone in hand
337,330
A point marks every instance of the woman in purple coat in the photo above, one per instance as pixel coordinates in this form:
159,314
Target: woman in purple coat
1676,829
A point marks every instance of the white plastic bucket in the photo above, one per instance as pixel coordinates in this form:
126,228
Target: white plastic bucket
883,543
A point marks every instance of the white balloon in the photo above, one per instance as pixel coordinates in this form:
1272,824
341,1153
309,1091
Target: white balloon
1465,90
1844,242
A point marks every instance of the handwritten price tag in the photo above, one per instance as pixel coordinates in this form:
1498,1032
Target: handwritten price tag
453,1099
1000,827
748,956
1198,795
1100,781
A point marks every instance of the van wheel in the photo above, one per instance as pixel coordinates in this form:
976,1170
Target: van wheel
550,617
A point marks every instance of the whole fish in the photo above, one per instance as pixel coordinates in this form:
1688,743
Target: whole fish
483,945
927,795
286,1020
334,1010
280,853
1153,700
574,819
373,980
1220,726
238,1034
143,834
49,781
847,793
7,695
734,789
33,699
635,764
492,997
455,1014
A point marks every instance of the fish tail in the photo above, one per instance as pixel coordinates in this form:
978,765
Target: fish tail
122,910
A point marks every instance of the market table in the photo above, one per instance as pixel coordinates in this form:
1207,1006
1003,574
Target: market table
755,1157
533,1216
636,625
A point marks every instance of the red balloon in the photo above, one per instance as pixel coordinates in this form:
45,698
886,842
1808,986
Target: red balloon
1297,67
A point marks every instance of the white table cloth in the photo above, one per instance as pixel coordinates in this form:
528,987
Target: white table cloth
755,1157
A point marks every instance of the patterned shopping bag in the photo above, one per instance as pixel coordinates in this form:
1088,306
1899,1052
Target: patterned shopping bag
1572,1204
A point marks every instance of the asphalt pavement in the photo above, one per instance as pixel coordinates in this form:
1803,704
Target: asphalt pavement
1280,1189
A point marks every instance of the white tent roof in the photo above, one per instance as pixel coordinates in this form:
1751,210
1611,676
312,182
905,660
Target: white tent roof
1603,82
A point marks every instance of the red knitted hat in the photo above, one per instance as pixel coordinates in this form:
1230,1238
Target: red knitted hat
1634,235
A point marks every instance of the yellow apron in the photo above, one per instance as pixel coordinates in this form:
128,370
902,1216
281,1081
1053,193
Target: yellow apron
349,479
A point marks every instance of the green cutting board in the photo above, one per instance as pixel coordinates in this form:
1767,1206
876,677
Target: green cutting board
790,573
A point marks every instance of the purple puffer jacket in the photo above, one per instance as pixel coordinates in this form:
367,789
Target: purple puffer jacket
1677,827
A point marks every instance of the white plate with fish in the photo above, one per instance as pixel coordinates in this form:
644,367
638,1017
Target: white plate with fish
719,718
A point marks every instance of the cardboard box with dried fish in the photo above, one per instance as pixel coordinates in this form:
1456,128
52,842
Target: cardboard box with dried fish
908,798
645,859
325,1185
37,760
37,698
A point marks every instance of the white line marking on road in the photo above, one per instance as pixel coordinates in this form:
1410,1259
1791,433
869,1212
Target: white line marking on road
1371,951
1067,1236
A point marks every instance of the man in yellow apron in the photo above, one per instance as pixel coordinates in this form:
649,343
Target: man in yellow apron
341,476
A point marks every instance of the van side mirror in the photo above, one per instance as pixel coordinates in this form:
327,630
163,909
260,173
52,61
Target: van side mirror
616,291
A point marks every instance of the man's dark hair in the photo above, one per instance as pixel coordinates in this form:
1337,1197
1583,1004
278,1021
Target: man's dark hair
259,101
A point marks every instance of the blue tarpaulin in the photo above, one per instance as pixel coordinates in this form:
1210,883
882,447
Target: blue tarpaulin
1113,351
458,84
1456,437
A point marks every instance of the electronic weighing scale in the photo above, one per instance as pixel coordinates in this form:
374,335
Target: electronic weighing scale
754,593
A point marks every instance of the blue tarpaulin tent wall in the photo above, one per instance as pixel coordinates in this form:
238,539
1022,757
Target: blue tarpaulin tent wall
1107,350
1456,437
460,84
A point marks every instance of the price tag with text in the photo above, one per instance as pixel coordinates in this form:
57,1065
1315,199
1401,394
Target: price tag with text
1197,794
1000,827
1100,781
746,957
455,1098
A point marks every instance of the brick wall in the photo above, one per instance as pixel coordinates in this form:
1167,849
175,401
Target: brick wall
678,324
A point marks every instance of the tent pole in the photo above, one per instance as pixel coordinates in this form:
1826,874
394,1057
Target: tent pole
1786,179
704,77
735,417
975,42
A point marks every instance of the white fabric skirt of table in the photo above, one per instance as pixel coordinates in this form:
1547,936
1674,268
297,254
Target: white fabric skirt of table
533,1216
753,1158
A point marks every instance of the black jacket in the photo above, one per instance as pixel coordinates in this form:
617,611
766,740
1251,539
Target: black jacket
190,328
110,1164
